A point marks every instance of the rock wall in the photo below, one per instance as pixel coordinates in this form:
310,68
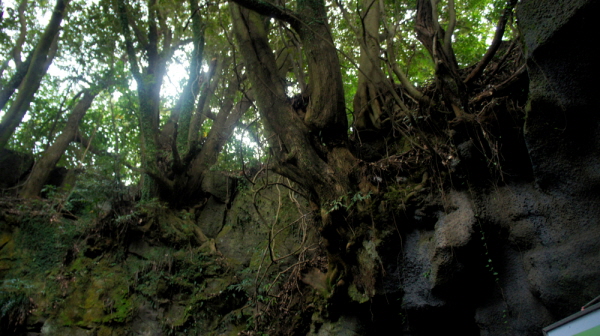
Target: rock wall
510,259
145,269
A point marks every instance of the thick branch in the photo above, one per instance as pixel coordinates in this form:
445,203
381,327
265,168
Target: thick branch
270,10
36,71
219,134
182,113
407,85
123,13
198,118
43,167
450,29
152,47
500,28
15,80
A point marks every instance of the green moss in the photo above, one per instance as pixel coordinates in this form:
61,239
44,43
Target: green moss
98,294
121,308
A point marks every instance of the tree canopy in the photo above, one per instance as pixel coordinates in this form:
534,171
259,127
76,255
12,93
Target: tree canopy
165,88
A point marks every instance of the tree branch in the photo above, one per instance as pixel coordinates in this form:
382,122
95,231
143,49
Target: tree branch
139,34
50,157
152,47
183,111
500,28
85,142
270,10
451,26
16,52
199,117
501,88
122,11
391,61
36,71
15,80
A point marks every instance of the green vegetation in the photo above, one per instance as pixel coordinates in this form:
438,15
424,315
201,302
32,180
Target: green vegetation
198,141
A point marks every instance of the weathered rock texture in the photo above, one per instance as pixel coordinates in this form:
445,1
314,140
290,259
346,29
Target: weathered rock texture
14,167
512,259
151,270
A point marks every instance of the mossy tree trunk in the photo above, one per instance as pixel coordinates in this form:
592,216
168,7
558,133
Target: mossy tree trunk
42,168
310,148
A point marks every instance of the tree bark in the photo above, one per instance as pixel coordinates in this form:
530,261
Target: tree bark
40,61
311,151
368,98
41,169
433,37
500,27
301,154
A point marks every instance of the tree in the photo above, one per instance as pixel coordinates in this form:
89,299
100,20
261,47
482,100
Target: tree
313,151
50,157
311,146
29,74
175,156
296,76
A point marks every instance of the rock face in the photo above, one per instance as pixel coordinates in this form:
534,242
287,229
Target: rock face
153,270
513,259
13,167
563,124
563,138
517,258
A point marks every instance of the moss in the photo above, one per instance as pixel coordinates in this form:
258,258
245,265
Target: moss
7,252
96,296
190,286
41,242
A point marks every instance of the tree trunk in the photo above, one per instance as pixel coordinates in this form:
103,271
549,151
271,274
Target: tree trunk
174,178
438,44
368,98
326,111
310,151
299,150
37,69
21,67
41,169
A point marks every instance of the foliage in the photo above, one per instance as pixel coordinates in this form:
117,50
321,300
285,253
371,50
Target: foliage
346,202
14,309
89,49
